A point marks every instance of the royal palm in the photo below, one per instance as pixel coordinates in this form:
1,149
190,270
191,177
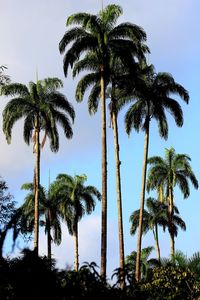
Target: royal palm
77,200
173,170
49,208
152,97
42,107
98,36
156,215
116,92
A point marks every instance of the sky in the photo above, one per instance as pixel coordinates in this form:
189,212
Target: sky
30,32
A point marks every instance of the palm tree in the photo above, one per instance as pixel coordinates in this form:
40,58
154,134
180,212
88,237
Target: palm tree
145,263
173,170
118,95
48,207
77,199
153,97
154,216
42,107
181,260
99,38
118,98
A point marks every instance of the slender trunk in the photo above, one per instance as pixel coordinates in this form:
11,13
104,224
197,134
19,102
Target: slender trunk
104,181
10,224
37,185
160,193
76,258
2,239
119,200
142,199
48,228
172,245
157,242
171,213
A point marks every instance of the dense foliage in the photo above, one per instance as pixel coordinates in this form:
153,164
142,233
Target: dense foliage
32,277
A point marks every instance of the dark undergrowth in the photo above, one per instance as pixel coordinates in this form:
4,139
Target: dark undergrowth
31,277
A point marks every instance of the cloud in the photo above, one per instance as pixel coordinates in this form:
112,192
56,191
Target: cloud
89,244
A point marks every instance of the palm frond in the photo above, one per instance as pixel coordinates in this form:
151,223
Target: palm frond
86,82
14,89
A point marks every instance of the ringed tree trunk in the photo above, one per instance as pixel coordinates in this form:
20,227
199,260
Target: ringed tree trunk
76,258
171,213
48,228
157,242
37,185
160,193
142,198
104,179
119,199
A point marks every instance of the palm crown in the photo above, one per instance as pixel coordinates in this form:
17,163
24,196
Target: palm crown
98,34
76,201
153,96
173,170
40,100
49,207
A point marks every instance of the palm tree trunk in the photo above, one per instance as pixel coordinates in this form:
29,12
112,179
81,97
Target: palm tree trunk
171,212
48,227
76,259
142,198
172,245
37,185
10,224
157,242
2,239
160,193
119,200
104,180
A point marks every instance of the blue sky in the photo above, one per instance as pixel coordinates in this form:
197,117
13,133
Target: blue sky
30,33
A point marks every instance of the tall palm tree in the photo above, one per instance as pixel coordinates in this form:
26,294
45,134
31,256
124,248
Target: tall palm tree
79,200
99,38
118,95
42,107
156,215
153,96
49,208
118,98
173,170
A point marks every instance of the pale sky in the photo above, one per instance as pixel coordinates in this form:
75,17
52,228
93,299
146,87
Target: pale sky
30,33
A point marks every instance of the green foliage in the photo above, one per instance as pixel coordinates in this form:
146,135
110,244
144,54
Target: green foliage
172,170
48,208
170,282
4,79
32,277
76,199
8,213
153,96
7,205
41,106
146,263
